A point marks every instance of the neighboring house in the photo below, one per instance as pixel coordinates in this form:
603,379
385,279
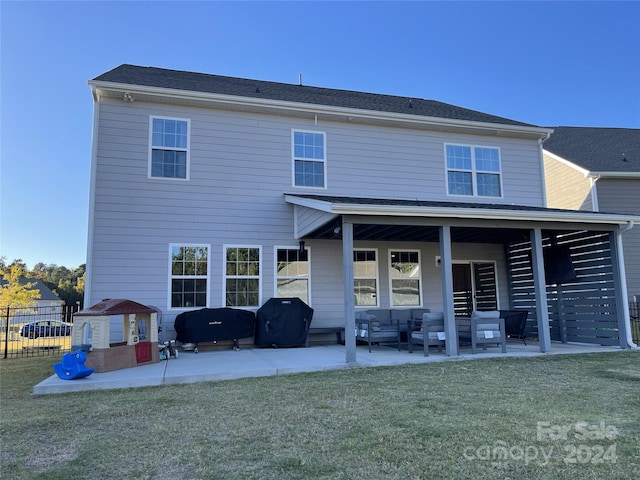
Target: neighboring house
598,169
47,297
211,191
47,307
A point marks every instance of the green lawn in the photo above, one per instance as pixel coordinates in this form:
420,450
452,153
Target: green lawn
555,417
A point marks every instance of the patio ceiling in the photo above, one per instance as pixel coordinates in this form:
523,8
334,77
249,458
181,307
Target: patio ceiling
418,233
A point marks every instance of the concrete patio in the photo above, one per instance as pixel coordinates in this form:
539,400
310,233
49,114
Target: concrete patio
209,366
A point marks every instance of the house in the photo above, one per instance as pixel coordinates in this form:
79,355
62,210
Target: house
598,169
46,308
47,297
212,191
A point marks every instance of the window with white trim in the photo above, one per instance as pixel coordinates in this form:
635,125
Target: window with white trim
242,276
292,273
309,159
473,171
169,148
189,275
365,278
405,274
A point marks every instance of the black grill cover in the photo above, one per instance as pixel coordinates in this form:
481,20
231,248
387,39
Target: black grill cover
283,322
214,324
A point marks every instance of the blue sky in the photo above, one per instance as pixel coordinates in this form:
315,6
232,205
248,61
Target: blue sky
546,63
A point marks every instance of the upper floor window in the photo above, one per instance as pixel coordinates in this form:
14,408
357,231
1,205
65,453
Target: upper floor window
292,273
189,275
473,171
365,278
169,148
405,278
309,159
242,276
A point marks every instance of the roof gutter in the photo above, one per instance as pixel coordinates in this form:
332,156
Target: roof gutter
599,175
350,113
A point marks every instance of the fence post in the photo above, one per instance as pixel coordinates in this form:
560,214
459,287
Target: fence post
634,320
6,335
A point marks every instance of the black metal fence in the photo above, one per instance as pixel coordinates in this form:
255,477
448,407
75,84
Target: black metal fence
36,331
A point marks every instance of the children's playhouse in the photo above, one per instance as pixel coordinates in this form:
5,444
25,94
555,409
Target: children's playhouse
117,334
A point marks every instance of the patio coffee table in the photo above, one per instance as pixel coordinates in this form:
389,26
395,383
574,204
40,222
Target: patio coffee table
339,331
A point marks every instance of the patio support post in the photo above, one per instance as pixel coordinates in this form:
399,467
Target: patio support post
446,271
542,310
349,303
620,283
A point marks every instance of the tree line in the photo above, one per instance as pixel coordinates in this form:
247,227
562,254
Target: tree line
66,283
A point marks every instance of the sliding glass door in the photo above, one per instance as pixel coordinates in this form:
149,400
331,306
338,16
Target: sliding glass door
474,287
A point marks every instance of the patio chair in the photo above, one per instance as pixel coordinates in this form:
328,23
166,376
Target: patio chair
515,322
487,328
428,332
370,330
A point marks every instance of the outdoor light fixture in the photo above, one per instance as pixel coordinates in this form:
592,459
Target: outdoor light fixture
301,246
336,231
127,97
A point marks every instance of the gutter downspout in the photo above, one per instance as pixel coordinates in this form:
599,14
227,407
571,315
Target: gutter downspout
593,179
623,283
544,180
627,227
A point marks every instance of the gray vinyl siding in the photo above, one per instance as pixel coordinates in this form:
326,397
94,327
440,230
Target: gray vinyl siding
240,166
623,196
362,160
619,195
566,187
379,162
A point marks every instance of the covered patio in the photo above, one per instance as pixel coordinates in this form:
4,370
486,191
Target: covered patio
564,267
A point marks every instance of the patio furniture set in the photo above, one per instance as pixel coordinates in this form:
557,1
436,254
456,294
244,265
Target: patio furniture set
422,327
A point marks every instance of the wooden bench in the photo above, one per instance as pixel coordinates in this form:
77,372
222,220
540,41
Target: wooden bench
339,331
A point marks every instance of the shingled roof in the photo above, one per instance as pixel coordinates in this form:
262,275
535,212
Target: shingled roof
45,292
242,87
597,149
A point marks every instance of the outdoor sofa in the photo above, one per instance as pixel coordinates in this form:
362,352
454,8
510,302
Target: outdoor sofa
382,325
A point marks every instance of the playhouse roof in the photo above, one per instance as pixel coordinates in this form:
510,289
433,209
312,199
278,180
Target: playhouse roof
115,306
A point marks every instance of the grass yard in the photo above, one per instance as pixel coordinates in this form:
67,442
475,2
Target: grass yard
554,417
